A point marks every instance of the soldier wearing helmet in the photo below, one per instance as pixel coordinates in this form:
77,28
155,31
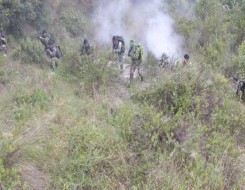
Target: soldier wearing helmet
86,48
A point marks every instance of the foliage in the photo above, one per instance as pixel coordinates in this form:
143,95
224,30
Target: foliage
181,129
37,98
240,60
9,176
26,103
215,33
15,14
197,122
91,72
31,51
73,23
88,158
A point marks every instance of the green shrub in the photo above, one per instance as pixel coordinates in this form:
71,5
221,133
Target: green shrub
26,104
91,72
240,61
90,160
73,23
203,128
9,175
37,98
16,14
31,52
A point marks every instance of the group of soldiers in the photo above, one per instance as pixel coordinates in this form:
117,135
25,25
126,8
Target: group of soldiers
136,53
165,61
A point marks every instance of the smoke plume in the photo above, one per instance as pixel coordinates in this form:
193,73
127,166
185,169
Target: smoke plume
147,22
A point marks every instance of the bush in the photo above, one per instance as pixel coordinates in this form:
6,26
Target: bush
9,175
37,98
31,52
240,61
15,14
26,104
73,23
90,72
202,123
90,160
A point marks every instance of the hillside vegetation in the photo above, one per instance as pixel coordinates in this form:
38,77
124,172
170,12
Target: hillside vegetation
81,127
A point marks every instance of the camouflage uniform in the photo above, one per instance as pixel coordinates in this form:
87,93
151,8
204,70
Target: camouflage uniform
46,39
52,50
118,47
86,48
164,60
54,53
240,89
136,54
3,43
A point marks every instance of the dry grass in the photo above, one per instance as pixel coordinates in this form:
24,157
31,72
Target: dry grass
33,177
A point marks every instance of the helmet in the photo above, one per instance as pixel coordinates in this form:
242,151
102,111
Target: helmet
164,56
186,56
115,39
44,31
85,41
131,43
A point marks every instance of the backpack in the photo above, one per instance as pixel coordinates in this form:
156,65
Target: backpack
3,41
120,39
140,53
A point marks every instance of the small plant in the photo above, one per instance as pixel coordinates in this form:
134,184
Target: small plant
37,98
26,104
9,175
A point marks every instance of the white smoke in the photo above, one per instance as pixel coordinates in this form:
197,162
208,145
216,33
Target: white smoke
145,21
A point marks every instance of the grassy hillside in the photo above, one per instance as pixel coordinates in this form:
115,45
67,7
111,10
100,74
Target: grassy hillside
81,127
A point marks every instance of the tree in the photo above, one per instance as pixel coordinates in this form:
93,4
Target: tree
14,14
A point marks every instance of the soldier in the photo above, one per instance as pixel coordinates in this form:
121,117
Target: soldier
3,42
86,48
46,39
54,52
136,53
186,60
118,46
240,88
164,60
